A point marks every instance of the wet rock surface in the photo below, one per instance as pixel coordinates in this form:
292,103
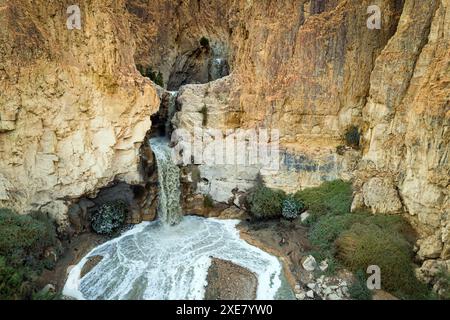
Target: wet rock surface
228,281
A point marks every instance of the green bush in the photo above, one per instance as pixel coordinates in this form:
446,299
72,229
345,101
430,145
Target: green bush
366,244
208,201
14,283
340,150
23,241
266,203
358,290
109,217
152,75
333,198
204,42
24,238
324,233
443,280
46,296
291,208
352,137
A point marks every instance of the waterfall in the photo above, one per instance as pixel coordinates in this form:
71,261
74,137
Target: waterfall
169,208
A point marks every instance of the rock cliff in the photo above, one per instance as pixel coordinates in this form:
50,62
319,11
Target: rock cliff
74,109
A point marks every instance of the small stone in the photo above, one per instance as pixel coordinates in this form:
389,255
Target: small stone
334,296
323,265
69,269
309,264
300,296
48,288
327,291
310,294
334,287
297,288
312,286
304,216
344,291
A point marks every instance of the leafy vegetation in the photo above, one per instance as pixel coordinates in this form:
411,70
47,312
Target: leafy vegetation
357,240
367,244
23,238
340,150
48,295
204,42
266,203
358,290
352,137
208,201
444,283
332,198
109,217
156,77
291,208
23,241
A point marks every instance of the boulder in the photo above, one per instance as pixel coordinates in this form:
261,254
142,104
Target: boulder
309,263
430,247
304,216
381,196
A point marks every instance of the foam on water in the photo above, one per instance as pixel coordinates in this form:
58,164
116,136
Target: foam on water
169,208
156,261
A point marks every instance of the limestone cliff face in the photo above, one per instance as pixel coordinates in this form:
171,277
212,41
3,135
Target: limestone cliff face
312,68
407,117
73,109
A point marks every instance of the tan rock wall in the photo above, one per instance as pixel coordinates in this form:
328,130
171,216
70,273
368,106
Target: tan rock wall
73,109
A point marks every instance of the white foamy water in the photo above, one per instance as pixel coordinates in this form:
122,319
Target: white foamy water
169,208
155,261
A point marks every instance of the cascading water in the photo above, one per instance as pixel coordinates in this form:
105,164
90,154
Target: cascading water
170,258
169,209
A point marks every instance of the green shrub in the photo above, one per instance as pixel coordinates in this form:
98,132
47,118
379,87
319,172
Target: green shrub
152,75
159,79
340,150
358,290
333,198
109,217
352,137
14,282
291,208
266,203
366,244
204,42
324,233
208,201
23,241
46,296
443,279
24,238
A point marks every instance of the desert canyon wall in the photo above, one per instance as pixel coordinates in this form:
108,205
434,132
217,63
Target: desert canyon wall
75,111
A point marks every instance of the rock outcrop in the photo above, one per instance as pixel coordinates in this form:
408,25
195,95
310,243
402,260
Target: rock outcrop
73,108
313,68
